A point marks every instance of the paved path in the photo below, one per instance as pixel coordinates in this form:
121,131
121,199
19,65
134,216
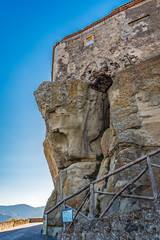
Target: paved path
24,232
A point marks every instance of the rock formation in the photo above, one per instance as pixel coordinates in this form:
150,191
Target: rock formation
81,124
102,106
134,130
76,116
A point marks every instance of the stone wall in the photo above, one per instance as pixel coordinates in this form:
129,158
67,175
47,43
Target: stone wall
14,223
138,225
122,40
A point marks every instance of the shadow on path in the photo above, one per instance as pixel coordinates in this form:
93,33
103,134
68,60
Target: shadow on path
24,233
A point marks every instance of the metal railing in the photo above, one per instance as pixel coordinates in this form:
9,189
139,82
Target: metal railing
115,195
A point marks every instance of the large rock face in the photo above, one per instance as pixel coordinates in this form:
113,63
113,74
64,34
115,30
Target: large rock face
134,131
104,98
76,116
82,123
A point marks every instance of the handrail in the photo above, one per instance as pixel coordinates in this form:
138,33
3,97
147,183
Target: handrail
122,190
92,192
102,178
126,166
67,198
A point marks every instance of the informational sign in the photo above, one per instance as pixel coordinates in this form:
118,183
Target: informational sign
67,215
44,224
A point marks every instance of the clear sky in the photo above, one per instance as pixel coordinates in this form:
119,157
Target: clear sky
28,31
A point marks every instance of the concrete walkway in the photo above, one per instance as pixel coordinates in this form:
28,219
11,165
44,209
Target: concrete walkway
30,231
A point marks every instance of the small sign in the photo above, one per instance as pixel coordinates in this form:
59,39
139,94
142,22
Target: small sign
67,215
44,224
89,40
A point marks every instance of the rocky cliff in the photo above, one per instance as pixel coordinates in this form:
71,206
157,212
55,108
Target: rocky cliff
82,124
134,130
100,118
76,117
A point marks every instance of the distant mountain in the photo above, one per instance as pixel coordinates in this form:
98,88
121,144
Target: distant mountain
20,211
4,217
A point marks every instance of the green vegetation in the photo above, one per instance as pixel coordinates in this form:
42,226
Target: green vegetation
13,219
98,208
94,174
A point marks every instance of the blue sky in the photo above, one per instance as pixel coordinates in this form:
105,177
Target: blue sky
28,30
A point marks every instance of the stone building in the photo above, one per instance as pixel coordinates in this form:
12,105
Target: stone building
127,36
103,100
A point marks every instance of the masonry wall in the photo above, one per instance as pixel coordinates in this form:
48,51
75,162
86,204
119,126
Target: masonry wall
139,225
14,223
119,41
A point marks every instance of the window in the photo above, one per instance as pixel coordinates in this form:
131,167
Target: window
89,41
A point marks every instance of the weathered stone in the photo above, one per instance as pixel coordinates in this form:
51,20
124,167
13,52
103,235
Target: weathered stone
76,117
120,41
83,122
128,139
74,132
50,159
119,227
107,142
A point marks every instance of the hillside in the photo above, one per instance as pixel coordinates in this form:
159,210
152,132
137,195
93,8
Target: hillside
4,217
20,211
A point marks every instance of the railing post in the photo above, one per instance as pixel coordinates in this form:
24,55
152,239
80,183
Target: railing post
64,224
153,182
46,236
92,201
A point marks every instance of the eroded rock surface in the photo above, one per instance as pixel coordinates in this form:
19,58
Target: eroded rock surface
76,116
104,100
134,131
81,123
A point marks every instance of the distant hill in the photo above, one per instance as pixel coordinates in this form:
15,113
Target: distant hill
4,217
20,211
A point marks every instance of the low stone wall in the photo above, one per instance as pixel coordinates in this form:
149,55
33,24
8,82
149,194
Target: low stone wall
33,220
14,223
142,224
